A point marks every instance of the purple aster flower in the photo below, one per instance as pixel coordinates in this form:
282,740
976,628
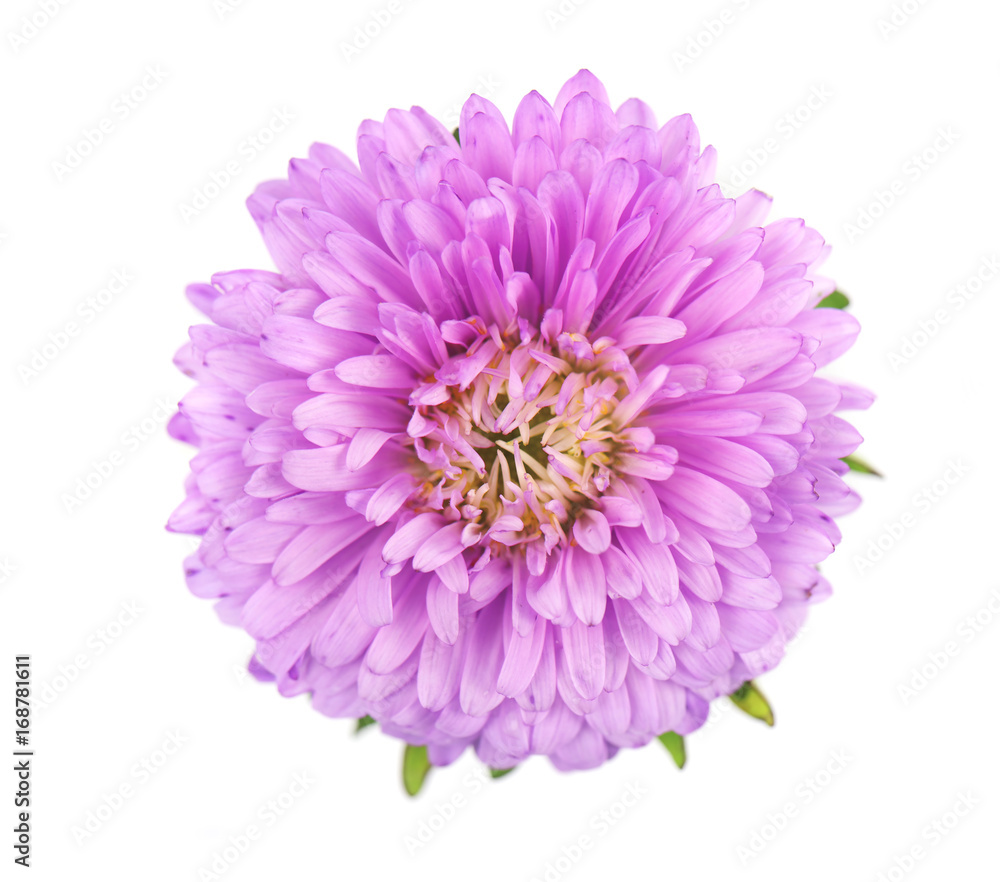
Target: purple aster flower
522,448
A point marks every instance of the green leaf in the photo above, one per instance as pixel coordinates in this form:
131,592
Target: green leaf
674,743
749,699
415,768
856,464
836,300
363,723
499,773
455,133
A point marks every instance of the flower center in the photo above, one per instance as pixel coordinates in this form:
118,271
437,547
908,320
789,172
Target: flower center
529,437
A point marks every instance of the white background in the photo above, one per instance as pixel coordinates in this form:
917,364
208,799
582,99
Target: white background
175,669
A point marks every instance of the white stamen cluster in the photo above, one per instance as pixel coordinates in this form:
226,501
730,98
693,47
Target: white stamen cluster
519,449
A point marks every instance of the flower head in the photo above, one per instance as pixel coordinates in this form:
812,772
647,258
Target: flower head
522,447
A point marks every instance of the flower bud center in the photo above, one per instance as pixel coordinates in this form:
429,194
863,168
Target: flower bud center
529,441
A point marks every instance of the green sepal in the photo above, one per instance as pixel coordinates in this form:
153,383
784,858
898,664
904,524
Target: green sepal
455,133
415,768
363,723
674,744
836,300
499,773
749,699
856,464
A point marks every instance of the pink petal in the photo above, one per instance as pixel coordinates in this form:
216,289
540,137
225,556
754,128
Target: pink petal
591,531
521,659
586,585
583,646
